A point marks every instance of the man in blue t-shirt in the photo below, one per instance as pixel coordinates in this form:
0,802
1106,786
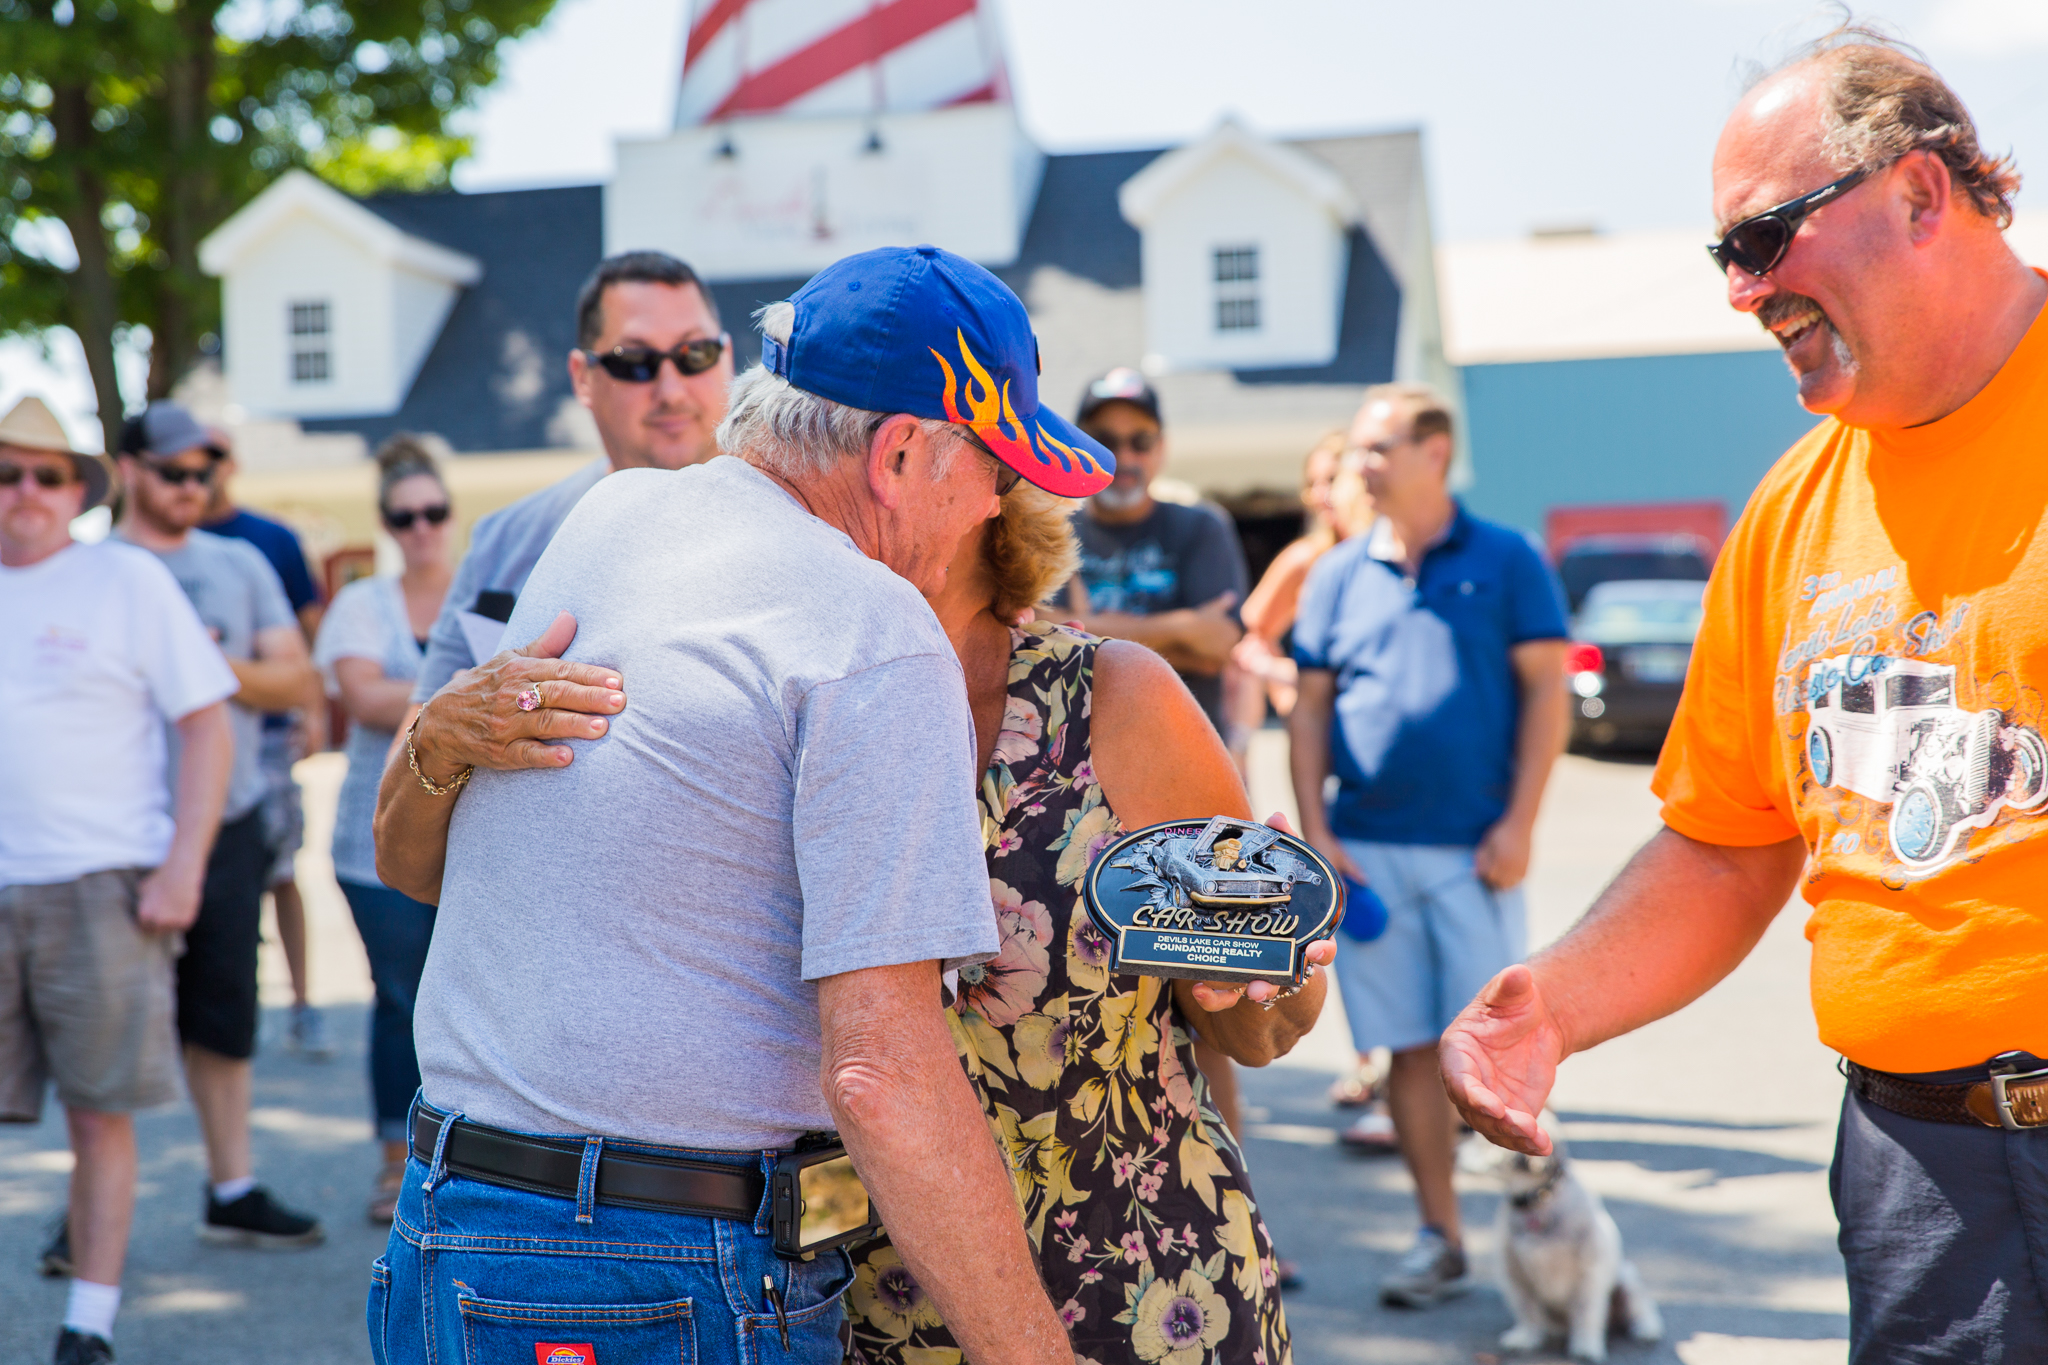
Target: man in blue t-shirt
285,740
1431,651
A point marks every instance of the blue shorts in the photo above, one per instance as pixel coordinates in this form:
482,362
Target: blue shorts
1448,934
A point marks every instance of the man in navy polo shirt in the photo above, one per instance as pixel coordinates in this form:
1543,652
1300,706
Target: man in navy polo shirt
1432,684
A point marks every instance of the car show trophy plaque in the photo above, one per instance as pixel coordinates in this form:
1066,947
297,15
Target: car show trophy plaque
1221,900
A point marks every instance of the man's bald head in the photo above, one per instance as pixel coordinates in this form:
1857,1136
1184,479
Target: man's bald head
1872,293
1858,100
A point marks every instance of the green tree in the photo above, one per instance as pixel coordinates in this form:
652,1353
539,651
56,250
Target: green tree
140,124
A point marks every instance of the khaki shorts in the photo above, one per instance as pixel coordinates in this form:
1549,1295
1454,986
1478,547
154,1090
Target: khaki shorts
85,999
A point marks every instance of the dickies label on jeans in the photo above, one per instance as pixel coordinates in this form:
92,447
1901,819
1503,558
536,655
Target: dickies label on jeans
564,1353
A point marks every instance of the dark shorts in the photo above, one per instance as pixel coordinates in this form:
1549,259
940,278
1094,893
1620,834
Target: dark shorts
1945,1236
217,974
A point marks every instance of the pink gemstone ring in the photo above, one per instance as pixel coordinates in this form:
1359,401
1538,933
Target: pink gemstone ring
529,700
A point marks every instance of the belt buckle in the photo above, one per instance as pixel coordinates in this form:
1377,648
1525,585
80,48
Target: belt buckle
2005,1069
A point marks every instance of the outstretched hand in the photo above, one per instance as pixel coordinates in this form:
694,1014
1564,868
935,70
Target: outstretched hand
476,719
1499,1060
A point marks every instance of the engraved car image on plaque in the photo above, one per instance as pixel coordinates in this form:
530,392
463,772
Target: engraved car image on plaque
1225,900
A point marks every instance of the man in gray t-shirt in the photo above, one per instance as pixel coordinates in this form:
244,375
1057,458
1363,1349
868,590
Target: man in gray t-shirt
166,466
652,364
722,927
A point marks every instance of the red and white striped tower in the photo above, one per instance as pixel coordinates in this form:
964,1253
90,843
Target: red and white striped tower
771,57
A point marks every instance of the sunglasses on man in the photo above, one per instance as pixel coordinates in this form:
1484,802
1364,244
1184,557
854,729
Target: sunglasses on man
1006,477
402,518
1760,241
46,476
177,475
1137,442
641,364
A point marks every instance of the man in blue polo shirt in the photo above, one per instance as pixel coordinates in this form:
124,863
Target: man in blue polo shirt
1431,651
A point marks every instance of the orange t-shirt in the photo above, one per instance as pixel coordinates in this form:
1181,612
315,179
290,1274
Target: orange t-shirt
1872,676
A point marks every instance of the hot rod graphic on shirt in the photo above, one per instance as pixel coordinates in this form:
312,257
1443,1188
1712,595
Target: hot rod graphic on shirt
1889,729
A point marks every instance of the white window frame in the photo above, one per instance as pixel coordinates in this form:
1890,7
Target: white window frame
1234,274
309,330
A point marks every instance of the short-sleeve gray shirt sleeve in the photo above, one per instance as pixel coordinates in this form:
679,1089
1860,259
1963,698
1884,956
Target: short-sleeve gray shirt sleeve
888,838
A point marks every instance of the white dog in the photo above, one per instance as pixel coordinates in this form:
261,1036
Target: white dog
1561,1266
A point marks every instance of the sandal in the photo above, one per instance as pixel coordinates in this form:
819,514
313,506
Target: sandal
384,1199
1357,1089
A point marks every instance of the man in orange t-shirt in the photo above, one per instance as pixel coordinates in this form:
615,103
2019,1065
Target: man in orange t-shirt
1867,703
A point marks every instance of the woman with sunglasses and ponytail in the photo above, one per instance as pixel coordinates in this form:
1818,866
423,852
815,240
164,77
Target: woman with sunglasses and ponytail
369,649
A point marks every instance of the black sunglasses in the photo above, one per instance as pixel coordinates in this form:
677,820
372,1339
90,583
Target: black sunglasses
1760,241
45,476
1006,477
177,476
640,364
1138,442
404,517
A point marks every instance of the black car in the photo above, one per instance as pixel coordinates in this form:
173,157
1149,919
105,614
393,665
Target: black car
1631,644
1615,558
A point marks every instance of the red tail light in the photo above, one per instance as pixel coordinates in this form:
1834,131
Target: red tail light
1583,658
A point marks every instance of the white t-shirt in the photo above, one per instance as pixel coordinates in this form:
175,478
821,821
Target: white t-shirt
102,648
366,620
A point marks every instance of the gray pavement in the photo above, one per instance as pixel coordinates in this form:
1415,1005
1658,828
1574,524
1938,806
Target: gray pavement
1708,1134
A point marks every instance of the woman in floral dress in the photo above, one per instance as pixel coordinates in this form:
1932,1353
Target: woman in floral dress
1133,1191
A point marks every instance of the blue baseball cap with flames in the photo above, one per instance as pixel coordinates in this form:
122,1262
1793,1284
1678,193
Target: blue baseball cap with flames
923,331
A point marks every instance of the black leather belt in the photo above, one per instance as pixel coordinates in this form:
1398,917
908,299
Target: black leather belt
2009,1097
634,1180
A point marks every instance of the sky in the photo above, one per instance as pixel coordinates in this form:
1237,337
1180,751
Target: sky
1575,112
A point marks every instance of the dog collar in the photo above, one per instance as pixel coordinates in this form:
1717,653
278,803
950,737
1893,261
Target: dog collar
1529,1199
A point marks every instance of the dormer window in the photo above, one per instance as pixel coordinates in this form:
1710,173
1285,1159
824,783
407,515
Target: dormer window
1237,289
309,333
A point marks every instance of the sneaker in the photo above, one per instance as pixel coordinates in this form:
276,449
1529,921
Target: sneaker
257,1220
82,1348
1371,1132
55,1262
307,1035
1432,1271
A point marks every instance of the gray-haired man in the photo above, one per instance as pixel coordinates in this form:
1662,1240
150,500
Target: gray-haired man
723,927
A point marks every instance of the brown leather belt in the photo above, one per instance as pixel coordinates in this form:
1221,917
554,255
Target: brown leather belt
634,1180
2008,1098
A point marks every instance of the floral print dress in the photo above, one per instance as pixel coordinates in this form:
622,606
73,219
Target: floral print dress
1133,1191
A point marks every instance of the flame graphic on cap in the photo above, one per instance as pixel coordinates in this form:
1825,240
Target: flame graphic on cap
985,406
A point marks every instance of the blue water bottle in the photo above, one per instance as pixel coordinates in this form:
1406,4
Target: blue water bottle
1365,914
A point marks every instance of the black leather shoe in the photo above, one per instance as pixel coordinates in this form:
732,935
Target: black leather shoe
82,1348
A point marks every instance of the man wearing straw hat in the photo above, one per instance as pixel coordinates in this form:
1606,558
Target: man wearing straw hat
103,849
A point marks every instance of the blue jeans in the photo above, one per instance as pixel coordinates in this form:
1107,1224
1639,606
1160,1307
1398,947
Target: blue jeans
478,1274
396,930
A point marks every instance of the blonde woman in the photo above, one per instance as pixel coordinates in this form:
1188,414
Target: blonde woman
1336,505
1133,1189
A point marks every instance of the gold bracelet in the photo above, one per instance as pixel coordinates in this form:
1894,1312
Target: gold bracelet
412,760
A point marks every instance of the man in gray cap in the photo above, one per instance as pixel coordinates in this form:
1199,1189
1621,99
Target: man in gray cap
166,464
102,858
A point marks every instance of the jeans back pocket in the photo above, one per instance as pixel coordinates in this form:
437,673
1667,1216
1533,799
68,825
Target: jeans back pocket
379,1310
497,1332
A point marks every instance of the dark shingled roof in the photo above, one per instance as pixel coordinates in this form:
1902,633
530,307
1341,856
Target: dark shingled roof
498,373
497,376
